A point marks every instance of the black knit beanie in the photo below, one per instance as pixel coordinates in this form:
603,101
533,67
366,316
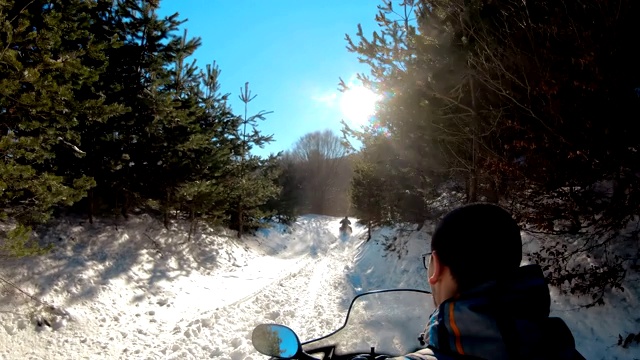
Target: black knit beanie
479,242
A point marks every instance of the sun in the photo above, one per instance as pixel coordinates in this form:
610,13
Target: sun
358,104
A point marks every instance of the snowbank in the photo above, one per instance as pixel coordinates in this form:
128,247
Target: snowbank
134,290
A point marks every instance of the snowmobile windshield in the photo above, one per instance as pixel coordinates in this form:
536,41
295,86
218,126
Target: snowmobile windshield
390,321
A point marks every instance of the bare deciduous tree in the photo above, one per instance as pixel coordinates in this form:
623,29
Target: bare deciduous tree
325,172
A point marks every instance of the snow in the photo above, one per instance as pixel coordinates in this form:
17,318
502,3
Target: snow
134,290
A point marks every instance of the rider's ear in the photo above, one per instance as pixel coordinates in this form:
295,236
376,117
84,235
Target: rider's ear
435,269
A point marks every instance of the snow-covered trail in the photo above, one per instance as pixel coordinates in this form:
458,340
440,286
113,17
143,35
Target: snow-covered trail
312,298
175,306
134,290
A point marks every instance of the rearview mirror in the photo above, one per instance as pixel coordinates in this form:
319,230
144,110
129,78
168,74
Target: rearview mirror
275,340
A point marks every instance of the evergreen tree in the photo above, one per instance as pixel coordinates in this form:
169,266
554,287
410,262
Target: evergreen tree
286,205
254,183
522,103
205,193
137,147
175,136
51,62
416,115
370,195
252,191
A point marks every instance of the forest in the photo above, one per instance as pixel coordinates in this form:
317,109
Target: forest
528,104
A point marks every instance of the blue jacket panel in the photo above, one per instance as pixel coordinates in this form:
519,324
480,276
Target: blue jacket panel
501,320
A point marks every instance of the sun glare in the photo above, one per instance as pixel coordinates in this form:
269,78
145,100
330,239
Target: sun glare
358,105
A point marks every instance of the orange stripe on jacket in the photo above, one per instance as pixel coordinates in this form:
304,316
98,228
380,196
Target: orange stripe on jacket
456,331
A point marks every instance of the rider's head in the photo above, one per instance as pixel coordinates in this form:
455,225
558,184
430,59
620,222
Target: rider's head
472,244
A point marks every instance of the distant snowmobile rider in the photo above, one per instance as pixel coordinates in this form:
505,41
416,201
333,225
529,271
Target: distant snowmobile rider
345,222
487,305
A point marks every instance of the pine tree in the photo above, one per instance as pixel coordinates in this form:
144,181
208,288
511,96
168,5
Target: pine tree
287,204
254,176
51,61
174,138
413,64
205,193
368,196
520,102
136,147
95,123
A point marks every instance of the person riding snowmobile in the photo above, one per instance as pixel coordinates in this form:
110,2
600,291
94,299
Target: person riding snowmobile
345,225
487,305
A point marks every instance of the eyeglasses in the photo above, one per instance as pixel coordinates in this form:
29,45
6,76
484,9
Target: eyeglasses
426,258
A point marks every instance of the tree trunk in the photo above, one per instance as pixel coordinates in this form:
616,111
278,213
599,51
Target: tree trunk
90,195
240,219
473,176
90,199
472,184
494,191
192,224
125,205
166,211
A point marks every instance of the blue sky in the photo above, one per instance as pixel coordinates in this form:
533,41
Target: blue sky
292,53
290,342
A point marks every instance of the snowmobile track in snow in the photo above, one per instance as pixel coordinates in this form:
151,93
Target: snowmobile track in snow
312,297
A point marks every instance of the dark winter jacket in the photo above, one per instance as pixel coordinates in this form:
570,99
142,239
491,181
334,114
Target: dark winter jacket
499,321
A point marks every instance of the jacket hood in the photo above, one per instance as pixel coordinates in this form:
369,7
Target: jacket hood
506,319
